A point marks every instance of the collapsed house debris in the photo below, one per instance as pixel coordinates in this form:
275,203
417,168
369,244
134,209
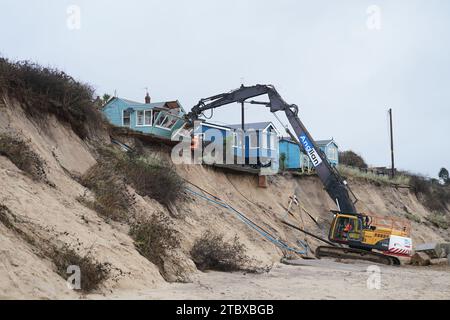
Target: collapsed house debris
431,253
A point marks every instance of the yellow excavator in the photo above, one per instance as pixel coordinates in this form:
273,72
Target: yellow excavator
364,235
352,235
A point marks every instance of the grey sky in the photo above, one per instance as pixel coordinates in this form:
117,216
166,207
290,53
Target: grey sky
319,54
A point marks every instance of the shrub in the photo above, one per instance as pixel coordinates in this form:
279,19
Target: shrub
350,158
155,239
108,180
419,185
112,199
413,217
4,217
433,196
282,161
211,252
439,220
19,152
92,272
399,179
45,90
150,176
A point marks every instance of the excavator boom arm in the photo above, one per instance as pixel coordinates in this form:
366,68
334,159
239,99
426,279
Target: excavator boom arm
333,183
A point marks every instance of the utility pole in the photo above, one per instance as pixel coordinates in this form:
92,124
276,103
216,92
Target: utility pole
243,125
243,133
242,116
392,144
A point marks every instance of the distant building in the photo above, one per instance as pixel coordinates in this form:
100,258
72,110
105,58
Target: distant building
331,150
294,159
160,118
290,155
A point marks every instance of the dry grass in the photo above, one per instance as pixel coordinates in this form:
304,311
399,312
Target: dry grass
150,176
92,273
399,179
112,199
211,252
19,152
439,220
433,196
45,90
413,217
155,239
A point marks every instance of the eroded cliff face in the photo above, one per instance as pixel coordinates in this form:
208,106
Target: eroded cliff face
43,213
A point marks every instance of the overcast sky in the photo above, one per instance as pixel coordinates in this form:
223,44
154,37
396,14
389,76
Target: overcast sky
343,62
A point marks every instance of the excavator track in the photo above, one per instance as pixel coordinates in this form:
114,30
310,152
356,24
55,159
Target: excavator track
355,254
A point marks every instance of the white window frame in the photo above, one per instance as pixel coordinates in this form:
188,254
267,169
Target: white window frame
272,139
237,140
164,119
264,142
273,136
257,133
333,154
123,118
144,117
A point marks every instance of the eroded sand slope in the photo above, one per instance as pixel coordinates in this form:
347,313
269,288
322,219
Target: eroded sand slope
51,213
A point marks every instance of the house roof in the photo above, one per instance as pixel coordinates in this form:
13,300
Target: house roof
167,104
254,126
324,143
319,143
129,101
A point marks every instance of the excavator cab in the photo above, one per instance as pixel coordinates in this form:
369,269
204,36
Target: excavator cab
346,228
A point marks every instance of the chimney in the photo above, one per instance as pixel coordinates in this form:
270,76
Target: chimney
147,98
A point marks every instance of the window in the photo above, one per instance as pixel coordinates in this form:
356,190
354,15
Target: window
264,140
126,118
155,115
148,118
238,139
268,139
273,139
144,118
332,153
253,139
166,121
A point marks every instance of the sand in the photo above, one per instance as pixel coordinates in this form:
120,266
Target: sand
317,279
52,214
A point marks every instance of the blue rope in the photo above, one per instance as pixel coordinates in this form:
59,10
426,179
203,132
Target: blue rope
251,224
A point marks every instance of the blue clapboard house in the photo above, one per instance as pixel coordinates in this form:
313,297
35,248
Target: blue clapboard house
295,159
260,140
161,119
